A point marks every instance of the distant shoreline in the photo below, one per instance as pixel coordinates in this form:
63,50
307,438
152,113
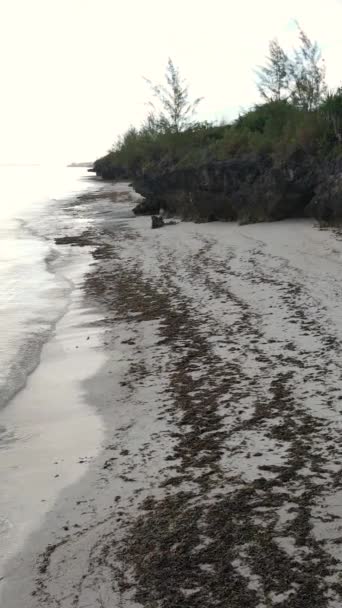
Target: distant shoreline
80,165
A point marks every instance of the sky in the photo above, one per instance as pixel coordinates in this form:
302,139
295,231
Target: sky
72,70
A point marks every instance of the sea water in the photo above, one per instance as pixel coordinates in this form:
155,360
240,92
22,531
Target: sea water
33,292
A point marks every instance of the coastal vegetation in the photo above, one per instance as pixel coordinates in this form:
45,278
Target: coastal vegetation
297,118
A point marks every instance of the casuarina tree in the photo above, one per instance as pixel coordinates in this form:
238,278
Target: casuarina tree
307,73
298,78
174,111
273,78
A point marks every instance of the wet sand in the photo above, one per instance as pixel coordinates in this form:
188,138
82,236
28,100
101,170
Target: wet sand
51,433
220,395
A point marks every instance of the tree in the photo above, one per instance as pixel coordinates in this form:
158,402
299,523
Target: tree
299,78
307,72
273,82
176,109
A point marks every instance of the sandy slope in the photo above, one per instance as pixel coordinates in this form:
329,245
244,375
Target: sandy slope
220,482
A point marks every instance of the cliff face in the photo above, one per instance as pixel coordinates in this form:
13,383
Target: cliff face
326,204
247,189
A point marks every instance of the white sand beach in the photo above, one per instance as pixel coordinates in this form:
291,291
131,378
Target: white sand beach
199,448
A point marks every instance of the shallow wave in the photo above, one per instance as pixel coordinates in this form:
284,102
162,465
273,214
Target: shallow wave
30,322
34,291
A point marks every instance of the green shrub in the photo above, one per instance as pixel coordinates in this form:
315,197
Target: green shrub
331,111
277,128
270,117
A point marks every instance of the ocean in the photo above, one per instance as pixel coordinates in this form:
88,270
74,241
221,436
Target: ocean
46,426
34,292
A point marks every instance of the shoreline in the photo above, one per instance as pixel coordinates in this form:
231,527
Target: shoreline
220,399
37,320
41,423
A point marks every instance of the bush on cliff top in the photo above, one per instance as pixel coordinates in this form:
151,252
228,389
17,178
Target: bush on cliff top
298,114
276,128
140,150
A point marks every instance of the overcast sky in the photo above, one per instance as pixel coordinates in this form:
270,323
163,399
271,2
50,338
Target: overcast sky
71,70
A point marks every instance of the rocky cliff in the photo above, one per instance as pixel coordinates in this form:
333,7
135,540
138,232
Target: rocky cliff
246,189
